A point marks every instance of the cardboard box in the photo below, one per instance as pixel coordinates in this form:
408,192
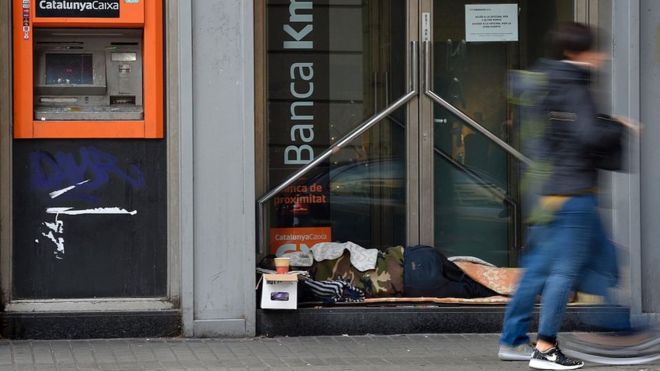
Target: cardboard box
279,291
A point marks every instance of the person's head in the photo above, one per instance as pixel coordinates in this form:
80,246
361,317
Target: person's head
575,42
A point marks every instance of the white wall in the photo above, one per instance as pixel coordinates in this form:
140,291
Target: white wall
626,186
649,68
635,31
222,261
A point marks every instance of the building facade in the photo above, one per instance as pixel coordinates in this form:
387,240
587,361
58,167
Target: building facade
283,123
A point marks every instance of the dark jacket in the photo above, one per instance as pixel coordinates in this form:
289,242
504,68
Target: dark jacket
574,139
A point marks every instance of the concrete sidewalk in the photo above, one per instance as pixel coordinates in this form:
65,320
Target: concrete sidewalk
399,352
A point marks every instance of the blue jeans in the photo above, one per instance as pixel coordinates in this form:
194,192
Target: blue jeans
560,254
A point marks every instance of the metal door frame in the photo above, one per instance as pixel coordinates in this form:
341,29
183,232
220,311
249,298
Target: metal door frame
426,127
419,102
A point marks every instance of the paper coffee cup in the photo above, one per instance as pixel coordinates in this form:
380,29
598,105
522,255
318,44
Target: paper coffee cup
282,265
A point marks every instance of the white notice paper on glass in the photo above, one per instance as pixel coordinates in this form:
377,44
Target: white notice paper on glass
491,22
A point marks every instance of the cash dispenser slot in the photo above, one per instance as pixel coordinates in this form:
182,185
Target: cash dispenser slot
122,99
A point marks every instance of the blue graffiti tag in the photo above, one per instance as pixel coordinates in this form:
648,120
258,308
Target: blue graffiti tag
50,172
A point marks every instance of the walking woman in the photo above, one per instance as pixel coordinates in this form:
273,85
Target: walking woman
566,239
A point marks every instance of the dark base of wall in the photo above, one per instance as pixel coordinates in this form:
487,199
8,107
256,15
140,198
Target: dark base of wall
40,325
403,320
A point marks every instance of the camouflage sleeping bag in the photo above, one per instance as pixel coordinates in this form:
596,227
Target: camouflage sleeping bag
384,281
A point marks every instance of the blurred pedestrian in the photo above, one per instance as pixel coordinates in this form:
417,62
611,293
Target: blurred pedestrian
566,240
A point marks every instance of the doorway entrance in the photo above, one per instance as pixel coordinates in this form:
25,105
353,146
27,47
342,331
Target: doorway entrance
387,123
476,158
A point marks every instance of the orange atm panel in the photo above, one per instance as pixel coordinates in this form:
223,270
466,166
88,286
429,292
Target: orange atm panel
88,69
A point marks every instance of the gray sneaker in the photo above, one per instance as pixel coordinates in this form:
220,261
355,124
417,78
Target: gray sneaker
522,352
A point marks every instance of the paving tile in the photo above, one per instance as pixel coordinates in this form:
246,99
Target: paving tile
42,353
22,354
61,351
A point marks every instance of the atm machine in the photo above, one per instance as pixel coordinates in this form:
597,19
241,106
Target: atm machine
88,75
88,69
89,160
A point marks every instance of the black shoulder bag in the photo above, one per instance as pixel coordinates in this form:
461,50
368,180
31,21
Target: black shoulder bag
610,158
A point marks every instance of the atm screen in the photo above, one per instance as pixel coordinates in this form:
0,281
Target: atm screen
69,69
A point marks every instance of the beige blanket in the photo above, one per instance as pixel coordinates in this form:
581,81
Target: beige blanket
501,280
481,301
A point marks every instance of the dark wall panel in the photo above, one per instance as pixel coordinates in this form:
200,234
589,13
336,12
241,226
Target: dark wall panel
89,219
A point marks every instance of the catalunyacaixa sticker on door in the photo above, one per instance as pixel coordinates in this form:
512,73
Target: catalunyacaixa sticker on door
293,240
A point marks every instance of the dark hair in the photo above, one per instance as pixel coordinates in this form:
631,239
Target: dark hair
569,37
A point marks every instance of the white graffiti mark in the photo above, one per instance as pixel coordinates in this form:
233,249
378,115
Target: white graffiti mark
55,230
97,210
59,243
62,191
57,227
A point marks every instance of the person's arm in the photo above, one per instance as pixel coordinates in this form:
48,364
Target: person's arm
634,126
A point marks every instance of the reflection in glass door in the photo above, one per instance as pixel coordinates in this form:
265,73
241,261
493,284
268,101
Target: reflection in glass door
330,66
476,201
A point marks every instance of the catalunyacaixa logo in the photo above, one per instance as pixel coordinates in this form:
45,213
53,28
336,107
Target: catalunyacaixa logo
78,8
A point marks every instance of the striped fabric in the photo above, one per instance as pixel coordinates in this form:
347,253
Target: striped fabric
333,291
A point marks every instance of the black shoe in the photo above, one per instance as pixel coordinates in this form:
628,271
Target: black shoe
553,359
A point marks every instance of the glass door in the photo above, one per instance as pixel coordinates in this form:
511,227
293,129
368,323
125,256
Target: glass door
470,49
367,138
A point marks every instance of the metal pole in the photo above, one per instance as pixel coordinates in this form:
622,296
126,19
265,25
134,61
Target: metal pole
337,146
